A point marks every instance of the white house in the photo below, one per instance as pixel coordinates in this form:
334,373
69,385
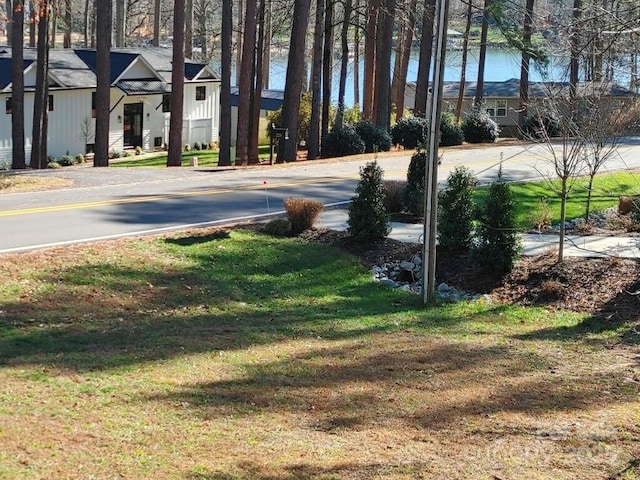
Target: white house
140,100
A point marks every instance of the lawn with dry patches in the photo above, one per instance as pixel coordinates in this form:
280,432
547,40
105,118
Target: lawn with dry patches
30,183
230,355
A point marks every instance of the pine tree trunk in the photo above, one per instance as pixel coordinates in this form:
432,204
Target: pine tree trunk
104,11
313,150
17,86
382,89
527,33
225,84
41,94
174,157
399,82
479,98
424,64
463,69
246,84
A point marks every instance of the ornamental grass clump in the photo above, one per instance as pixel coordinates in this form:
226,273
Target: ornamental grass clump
368,218
302,213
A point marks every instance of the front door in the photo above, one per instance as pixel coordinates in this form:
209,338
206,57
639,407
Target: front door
132,125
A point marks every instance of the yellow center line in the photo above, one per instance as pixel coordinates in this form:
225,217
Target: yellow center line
155,198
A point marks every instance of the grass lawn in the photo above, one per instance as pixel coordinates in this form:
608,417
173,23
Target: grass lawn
230,355
535,200
206,158
30,183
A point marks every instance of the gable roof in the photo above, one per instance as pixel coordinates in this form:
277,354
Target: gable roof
120,61
5,70
270,100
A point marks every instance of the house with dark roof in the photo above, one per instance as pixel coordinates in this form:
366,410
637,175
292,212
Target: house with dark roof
140,100
502,99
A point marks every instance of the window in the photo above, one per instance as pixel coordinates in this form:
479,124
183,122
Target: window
9,106
93,105
497,108
201,93
51,103
166,103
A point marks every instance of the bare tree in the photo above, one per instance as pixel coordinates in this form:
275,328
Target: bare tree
344,60
68,24
486,13
174,157
463,68
527,32
104,12
41,94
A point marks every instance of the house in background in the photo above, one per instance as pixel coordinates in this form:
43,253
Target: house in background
140,101
270,101
502,99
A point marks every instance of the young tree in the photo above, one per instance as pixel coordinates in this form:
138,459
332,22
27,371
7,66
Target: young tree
368,218
456,210
104,12
17,85
174,157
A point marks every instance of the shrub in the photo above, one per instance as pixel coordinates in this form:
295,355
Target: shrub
394,191
498,242
278,227
66,160
414,191
115,153
302,213
542,125
80,158
541,216
197,147
138,150
375,137
53,164
341,141
304,118
368,218
450,131
187,148
456,210
478,127
213,145
410,132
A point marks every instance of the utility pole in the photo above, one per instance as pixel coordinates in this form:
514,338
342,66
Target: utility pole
431,176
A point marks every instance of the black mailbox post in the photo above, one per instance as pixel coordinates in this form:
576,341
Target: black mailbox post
277,133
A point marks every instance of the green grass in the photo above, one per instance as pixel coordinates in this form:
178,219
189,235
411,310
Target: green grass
219,354
206,158
531,197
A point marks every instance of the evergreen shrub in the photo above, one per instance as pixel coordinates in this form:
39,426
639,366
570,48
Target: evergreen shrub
410,132
342,141
456,210
479,127
368,218
375,137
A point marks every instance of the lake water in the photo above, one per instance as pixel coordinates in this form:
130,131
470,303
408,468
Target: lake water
500,65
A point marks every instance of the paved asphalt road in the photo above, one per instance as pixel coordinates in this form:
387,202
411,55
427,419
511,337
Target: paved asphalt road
114,202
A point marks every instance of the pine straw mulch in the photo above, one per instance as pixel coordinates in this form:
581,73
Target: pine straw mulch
606,288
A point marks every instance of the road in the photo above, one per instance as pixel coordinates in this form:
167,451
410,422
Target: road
111,203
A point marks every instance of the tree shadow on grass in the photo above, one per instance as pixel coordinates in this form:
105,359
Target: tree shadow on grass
363,385
229,293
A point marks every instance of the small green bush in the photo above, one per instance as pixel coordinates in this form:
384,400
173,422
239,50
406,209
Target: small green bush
138,150
115,153
187,147
278,227
375,137
368,218
342,141
302,213
67,160
450,131
478,127
456,210
497,240
80,158
53,164
414,192
197,146
410,132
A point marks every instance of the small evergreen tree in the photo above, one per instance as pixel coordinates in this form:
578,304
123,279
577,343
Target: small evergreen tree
450,131
368,219
414,192
410,132
498,242
456,210
479,127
